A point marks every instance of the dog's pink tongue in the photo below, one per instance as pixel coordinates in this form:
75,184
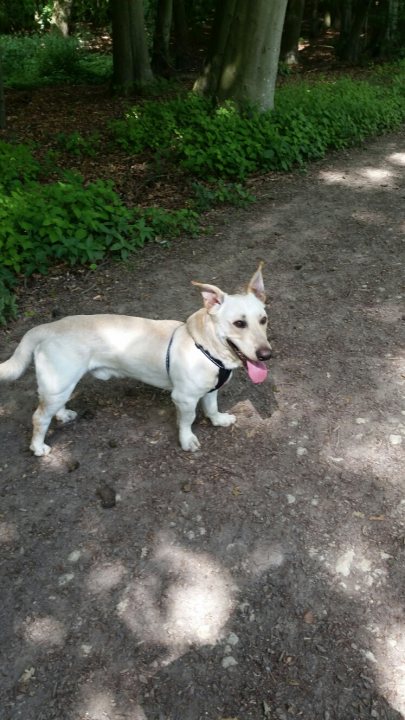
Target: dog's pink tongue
257,371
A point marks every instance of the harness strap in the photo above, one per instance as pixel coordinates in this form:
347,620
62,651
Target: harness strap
223,374
168,350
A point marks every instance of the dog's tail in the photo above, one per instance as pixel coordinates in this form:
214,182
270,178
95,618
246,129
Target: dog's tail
16,365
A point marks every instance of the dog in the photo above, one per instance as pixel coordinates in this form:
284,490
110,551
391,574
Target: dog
191,359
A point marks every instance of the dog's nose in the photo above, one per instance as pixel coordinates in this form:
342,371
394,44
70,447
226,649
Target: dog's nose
264,353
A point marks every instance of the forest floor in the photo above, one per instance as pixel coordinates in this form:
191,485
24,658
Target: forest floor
263,576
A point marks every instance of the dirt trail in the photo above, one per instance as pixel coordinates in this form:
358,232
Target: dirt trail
264,576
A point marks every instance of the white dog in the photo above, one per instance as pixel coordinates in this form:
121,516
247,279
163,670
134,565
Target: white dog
191,359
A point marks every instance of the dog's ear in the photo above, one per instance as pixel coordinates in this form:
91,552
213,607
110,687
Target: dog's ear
256,284
213,297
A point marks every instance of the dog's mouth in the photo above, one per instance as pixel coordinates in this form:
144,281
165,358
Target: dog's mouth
256,369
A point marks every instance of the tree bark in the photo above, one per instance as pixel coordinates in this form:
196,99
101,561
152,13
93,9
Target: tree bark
2,100
181,34
131,64
161,62
292,31
243,60
61,15
349,45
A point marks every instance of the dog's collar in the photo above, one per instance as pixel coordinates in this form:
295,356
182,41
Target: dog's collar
223,374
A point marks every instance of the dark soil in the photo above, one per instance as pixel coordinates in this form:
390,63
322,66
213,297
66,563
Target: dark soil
262,577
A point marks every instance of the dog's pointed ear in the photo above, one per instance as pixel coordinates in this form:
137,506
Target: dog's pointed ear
256,284
213,297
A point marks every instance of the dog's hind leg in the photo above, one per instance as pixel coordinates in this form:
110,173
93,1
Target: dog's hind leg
49,406
210,408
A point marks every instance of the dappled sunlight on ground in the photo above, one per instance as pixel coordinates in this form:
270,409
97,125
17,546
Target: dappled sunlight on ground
4,410
183,598
363,177
102,705
390,654
105,577
397,158
368,176
8,533
44,631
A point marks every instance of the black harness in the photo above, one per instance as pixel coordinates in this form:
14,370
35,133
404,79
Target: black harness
223,372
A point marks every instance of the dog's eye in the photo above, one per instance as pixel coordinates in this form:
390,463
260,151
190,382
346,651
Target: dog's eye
263,320
240,323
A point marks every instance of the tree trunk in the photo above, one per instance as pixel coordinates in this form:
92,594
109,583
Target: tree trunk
292,31
349,45
161,62
131,65
181,34
2,100
243,61
61,15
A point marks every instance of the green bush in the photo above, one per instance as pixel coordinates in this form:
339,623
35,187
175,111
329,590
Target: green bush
8,303
36,60
68,221
17,165
75,144
206,195
309,119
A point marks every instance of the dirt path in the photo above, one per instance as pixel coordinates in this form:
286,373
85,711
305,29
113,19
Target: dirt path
264,576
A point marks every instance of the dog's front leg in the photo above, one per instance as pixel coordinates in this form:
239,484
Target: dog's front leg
210,407
185,417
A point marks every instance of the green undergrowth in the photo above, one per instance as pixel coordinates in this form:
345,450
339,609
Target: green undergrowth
47,59
308,120
68,221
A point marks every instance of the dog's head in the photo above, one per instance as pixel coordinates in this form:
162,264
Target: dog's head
241,323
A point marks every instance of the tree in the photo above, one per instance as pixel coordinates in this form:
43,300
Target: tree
131,64
161,40
2,100
292,31
351,40
60,16
181,34
243,57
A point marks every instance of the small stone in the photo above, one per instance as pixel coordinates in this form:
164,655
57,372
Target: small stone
113,443
395,439
107,496
73,465
228,662
361,421
290,499
186,487
74,556
302,451
65,579
369,655
232,639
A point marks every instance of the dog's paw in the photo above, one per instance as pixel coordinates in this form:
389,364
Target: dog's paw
190,443
223,419
40,450
66,416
